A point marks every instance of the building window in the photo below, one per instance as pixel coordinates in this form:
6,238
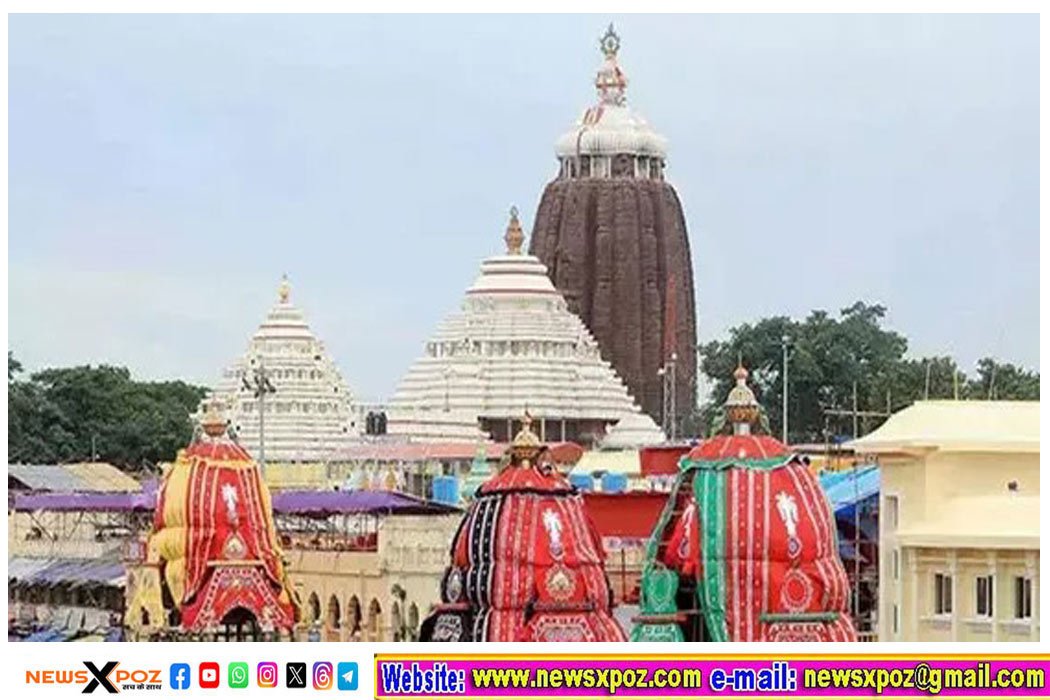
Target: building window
942,594
1023,598
892,513
984,596
896,620
896,565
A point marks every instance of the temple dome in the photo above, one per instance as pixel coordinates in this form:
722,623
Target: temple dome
513,346
633,431
611,127
310,413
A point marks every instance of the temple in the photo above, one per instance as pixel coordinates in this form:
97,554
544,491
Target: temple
213,560
308,409
746,547
514,346
527,564
612,234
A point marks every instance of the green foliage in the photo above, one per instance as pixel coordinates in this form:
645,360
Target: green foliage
13,366
57,414
827,356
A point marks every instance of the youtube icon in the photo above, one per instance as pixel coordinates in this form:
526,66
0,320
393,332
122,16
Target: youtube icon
208,674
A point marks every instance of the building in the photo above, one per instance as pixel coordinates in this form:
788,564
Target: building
380,464
959,521
366,565
308,409
64,573
513,347
611,231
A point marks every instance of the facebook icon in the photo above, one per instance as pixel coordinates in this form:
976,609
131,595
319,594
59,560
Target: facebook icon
179,676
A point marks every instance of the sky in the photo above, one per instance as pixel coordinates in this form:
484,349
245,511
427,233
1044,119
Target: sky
166,170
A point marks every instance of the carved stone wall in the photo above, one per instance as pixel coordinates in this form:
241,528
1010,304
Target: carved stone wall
617,248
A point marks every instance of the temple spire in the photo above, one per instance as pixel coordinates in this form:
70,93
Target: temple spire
284,290
611,80
742,407
514,237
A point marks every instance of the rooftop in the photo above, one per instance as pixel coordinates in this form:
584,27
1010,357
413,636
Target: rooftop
957,426
513,346
83,477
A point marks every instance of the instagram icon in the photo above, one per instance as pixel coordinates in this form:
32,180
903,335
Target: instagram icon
266,674
322,675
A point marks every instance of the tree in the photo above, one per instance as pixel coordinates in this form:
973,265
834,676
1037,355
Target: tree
996,380
85,413
829,358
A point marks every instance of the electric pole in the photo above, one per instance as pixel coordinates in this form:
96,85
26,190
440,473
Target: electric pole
784,340
668,372
260,386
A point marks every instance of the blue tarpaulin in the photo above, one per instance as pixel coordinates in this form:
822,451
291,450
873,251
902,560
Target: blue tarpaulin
48,635
846,488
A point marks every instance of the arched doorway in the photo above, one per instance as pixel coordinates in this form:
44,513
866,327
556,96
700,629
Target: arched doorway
313,607
396,628
240,625
333,620
353,618
375,621
413,622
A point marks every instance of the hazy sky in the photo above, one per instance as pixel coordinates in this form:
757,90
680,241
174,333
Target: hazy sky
166,170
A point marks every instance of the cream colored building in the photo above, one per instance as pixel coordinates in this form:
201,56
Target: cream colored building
378,595
958,521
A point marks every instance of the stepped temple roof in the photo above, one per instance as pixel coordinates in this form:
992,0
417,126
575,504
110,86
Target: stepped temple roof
310,411
513,346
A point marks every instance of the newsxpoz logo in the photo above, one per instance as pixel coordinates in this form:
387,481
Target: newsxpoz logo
109,677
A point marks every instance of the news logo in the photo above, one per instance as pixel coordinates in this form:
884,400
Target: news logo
322,675
208,674
346,675
296,674
266,674
237,674
179,676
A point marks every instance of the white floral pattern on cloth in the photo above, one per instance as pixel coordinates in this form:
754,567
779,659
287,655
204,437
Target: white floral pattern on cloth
796,592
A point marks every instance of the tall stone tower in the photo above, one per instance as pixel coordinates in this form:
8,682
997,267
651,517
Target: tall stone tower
611,231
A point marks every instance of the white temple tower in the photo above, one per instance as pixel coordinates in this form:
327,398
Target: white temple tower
310,412
513,347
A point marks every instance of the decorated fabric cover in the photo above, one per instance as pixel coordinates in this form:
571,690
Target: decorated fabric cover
527,564
214,539
749,534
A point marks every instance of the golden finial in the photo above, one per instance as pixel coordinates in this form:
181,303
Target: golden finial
741,404
740,373
213,424
526,444
514,237
284,290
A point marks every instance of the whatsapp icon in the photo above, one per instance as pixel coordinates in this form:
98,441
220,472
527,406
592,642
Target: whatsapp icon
238,674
